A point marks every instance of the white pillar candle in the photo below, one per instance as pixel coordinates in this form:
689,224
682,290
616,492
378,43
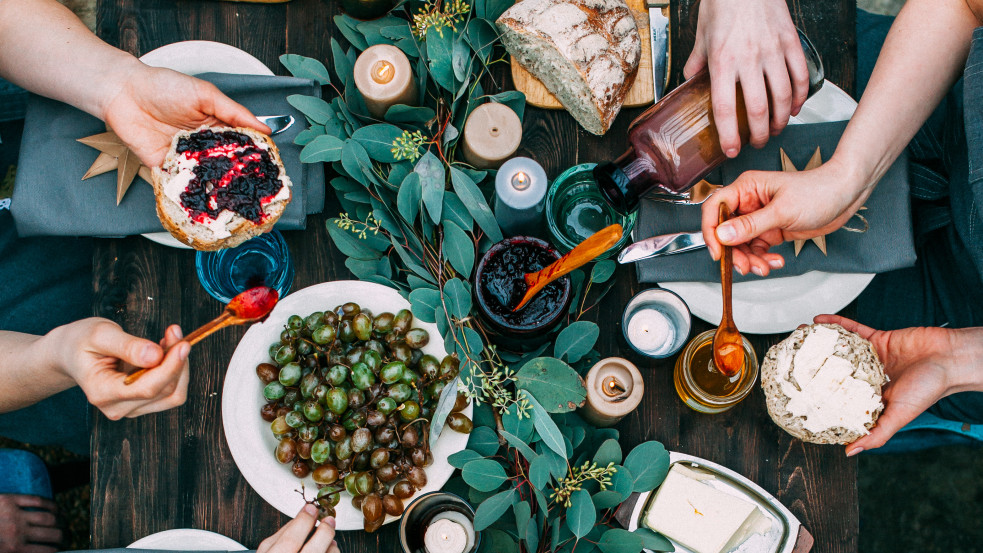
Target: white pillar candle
384,77
614,389
520,196
449,532
492,134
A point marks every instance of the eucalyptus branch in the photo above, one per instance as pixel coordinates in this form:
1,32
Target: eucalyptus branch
576,478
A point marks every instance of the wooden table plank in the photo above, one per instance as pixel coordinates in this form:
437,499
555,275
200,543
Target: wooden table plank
174,469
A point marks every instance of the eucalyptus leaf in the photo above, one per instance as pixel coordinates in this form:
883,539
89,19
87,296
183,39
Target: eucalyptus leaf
622,481
348,243
527,453
411,263
577,435
531,536
398,172
494,507
474,201
482,36
483,440
356,161
349,28
609,452
323,148
409,115
514,99
355,103
372,29
367,268
432,180
653,541
343,68
305,136
460,58
522,428
607,499
313,108
424,303
455,211
557,462
440,58
306,68
603,270
471,344
577,279
416,282
523,517
450,134
545,426
378,141
484,474
581,515
616,540
576,340
558,387
476,496
539,472
445,404
409,197
457,298
463,457
649,465
458,249
398,32
491,9
497,541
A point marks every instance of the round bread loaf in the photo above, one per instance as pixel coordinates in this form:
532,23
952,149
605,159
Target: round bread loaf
823,384
220,186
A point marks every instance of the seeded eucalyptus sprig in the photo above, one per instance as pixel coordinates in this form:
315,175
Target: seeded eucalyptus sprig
415,218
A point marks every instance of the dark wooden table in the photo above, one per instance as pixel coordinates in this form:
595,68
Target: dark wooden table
174,470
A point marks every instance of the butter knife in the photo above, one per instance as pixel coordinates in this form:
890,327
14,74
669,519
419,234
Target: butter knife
659,36
665,244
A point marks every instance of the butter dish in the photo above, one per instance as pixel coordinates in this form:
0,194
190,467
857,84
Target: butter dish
777,530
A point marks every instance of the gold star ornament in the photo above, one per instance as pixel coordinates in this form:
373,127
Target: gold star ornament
815,161
114,154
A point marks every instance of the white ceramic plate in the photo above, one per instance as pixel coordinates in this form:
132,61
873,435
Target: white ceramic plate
775,305
187,539
249,436
193,57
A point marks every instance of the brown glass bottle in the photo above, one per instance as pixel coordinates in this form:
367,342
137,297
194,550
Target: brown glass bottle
674,143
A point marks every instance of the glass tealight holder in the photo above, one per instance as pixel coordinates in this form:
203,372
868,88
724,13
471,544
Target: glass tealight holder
656,323
262,261
702,387
431,508
575,210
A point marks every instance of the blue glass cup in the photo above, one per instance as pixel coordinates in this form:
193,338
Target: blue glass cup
262,261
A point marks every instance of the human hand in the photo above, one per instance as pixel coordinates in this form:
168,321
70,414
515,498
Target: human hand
292,538
154,104
755,44
23,531
771,207
924,364
97,354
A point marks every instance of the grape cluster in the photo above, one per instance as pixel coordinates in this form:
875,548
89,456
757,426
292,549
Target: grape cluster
350,396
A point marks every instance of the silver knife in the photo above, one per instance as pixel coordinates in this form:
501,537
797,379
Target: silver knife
659,36
665,244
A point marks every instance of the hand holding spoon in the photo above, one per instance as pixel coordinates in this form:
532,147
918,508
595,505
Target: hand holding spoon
728,346
585,252
248,307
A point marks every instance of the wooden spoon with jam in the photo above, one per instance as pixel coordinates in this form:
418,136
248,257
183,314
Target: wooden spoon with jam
248,307
728,345
585,252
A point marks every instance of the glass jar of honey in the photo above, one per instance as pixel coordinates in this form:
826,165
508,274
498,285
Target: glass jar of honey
705,389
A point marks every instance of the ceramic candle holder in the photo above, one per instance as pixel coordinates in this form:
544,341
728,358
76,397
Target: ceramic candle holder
384,77
614,389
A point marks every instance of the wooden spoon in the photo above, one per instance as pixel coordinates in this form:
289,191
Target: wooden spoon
585,252
728,346
248,307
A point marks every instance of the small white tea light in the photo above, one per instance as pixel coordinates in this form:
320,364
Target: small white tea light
656,323
449,532
520,196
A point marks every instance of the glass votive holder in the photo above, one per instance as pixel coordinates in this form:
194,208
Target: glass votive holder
437,522
575,210
656,323
262,261
705,389
498,285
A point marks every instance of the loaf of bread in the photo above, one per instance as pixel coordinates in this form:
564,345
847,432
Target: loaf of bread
219,187
585,52
823,384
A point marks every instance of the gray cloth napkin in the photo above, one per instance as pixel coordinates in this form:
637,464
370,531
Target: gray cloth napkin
886,246
51,199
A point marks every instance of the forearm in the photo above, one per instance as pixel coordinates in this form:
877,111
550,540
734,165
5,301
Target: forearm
923,56
29,369
47,50
965,365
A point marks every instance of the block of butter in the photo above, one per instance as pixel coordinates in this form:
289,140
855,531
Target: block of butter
699,516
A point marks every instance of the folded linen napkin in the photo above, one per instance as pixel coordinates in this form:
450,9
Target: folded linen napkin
887,245
51,199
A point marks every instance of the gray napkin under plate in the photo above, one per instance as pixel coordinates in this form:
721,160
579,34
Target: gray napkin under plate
51,199
886,246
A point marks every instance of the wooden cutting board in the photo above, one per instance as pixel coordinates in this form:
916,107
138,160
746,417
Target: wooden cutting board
641,92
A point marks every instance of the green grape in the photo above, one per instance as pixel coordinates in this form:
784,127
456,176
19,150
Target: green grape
373,360
321,451
362,376
337,374
449,367
279,426
274,390
409,410
308,384
343,449
350,484
305,348
459,422
402,321
313,410
386,405
417,338
289,373
308,433
362,325
285,354
346,332
324,335
295,419
295,322
409,377
337,400
400,392
392,372
383,323
313,321
429,366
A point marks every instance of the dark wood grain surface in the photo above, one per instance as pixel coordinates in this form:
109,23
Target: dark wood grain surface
174,470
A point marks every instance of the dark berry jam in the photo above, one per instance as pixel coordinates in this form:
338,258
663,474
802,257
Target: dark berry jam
501,285
232,173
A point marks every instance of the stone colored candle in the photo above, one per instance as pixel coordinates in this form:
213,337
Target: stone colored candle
614,389
384,77
492,134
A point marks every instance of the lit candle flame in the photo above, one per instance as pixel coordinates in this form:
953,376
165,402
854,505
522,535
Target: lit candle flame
521,181
612,387
383,72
